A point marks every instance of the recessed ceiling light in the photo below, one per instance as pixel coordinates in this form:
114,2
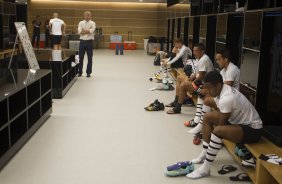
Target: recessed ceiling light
140,0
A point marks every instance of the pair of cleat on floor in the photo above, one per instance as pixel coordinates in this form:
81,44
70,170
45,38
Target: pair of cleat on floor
155,106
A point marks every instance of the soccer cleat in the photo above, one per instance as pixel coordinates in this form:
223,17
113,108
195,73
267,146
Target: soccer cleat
155,106
158,77
179,169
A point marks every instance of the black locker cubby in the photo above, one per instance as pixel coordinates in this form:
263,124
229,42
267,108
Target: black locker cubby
3,112
178,28
172,33
196,7
21,107
203,30
268,101
18,128
34,114
185,36
168,35
234,36
33,92
4,140
46,84
191,28
208,7
221,28
211,36
196,30
17,103
250,55
46,102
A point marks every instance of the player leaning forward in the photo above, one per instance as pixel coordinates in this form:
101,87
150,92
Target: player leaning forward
234,119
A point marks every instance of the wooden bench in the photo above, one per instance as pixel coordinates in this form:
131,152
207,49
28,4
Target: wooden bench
264,173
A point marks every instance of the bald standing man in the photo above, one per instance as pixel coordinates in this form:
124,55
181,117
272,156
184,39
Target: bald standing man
86,29
58,28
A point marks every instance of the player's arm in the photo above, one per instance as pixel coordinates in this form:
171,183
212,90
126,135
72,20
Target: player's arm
64,28
201,75
223,118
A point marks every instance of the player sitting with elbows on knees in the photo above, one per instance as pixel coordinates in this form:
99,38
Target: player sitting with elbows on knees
176,59
234,119
191,84
231,76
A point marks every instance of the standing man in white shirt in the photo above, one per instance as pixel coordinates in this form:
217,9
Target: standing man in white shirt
58,28
86,29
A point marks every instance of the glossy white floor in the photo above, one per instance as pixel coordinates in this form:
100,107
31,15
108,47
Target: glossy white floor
100,134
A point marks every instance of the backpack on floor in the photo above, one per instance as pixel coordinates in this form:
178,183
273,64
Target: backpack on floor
157,60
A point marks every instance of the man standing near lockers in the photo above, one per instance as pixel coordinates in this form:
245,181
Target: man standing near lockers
86,29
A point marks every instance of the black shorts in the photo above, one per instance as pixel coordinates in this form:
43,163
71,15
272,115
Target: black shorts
251,135
177,64
56,39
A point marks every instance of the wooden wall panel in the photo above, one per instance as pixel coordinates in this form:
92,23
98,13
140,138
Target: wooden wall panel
142,19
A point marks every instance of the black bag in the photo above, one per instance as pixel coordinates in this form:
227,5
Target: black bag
157,60
152,39
188,69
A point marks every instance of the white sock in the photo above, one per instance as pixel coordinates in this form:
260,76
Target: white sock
199,127
202,155
214,147
196,129
165,72
198,110
160,70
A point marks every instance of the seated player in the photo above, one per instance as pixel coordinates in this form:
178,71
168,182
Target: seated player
185,84
235,119
179,60
167,57
230,74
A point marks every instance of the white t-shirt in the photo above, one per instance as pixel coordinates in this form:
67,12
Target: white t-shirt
242,111
183,53
87,25
56,26
204,64
232,73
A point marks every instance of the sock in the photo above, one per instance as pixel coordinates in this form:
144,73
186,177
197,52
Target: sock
202,155
199,127
198,110
160,70
177,106
214,147
165,72
175,99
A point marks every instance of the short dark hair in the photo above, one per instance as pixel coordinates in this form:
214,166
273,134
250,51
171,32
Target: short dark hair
200,46
224,53
179,40
213,78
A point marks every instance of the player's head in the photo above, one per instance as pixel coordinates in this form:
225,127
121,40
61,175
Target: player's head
87,15
178,43
199,50
55,15
223,58
213,83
